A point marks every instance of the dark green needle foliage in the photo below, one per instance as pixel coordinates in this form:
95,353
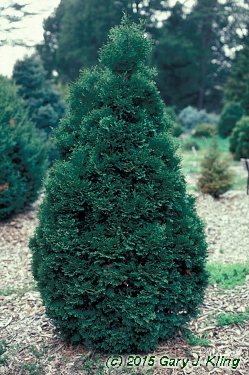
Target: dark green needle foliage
22,153
232,112
239,139
119,254
216,178
43,101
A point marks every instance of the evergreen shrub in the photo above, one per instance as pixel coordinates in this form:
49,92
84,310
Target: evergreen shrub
204,130
215,177
171,112
239,139
176,128
120,253
189,144
22,153
191,117
232,112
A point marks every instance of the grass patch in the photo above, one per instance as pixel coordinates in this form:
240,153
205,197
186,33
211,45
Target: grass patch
192,188
32,368
20,292
227,276
8,291
191,162
231,318
194,340
240,181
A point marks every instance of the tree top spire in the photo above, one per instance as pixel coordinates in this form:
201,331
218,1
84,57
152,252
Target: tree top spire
127,47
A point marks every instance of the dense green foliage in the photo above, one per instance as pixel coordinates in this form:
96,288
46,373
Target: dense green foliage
204,130
190,52
237,86
77,29
174,57
43,101
22,153
231,113
215,177
119,254
239,139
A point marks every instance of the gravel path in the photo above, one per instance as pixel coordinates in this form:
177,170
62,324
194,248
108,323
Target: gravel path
26,329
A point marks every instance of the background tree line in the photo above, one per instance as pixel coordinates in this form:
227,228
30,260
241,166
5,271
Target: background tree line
192,49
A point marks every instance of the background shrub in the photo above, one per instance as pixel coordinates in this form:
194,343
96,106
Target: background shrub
232,112
171,112
215,177
189,144
191,117
119,254
22,153
204,130
239,139
175,127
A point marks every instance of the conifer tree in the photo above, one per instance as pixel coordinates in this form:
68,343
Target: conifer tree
22,153
237,88
216,178
119,254
39,95
239,139
43,101
231,113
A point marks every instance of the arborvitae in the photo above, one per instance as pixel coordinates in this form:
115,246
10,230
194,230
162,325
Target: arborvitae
232,112
22,153
215,177
239,139
119,254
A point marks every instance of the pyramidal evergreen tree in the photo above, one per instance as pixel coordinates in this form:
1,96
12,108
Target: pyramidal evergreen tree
23,153
44,103
216,177
119,254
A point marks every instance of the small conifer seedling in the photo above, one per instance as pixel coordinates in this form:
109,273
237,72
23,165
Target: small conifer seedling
119,254
216,178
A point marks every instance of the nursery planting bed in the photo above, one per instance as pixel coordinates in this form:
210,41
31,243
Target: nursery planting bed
27,336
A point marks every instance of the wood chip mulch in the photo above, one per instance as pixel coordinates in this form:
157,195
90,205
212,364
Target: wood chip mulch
28,344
